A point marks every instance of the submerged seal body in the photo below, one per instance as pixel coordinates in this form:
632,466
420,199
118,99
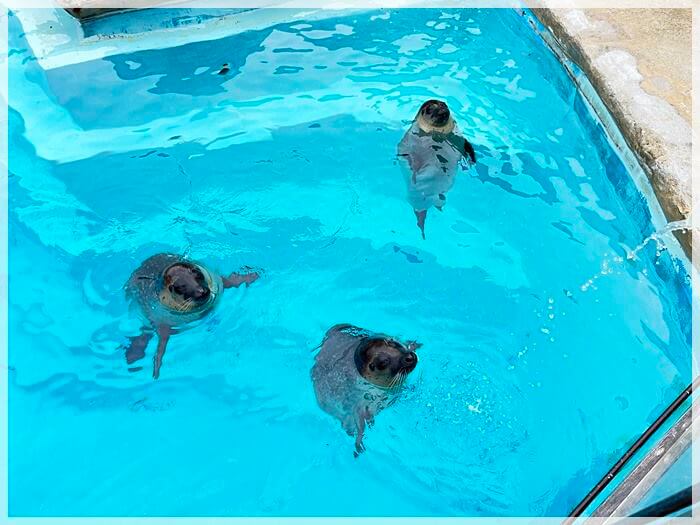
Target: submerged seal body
171,293
430,153
357,373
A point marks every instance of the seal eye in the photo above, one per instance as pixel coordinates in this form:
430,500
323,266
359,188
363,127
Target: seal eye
171,288
382,363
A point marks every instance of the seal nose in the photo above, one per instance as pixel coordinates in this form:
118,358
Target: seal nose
201,293
442,115
409,360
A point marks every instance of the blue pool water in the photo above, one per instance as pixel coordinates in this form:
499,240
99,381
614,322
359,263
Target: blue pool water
530,381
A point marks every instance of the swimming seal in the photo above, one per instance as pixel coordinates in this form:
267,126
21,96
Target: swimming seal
429,153
357,374
171,293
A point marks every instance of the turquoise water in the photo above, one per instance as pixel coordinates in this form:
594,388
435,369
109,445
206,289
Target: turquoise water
530,382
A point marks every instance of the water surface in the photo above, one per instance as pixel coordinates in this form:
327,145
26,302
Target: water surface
531,379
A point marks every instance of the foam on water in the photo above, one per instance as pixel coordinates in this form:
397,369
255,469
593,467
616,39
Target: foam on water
660,238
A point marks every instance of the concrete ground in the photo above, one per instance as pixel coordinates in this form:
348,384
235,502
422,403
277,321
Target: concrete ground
640,63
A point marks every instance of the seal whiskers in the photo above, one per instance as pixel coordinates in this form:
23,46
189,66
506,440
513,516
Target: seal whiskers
357,374
172,293
398,380
187,306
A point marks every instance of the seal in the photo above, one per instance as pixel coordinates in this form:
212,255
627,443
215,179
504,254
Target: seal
357,374
171,293
430,153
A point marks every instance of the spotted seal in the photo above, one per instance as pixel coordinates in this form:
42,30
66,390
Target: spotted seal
357,373
171,293
430,153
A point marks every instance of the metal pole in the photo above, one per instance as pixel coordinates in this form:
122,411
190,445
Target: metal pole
639,443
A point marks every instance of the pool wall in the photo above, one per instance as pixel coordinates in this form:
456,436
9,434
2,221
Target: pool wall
660,189
639,63
629,178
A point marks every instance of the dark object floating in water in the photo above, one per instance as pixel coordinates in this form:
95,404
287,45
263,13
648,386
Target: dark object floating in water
224,69
315,125
175,137
163,155
409,256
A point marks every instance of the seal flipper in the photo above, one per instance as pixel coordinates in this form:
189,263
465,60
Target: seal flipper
469,150
163,336
137,346
420,216
236,279
359,433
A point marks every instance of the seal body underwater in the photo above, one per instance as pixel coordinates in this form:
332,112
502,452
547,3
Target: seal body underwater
171,293
357,374
430,153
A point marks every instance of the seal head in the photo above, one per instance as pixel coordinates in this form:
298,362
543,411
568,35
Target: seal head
186,287
384,362
434,117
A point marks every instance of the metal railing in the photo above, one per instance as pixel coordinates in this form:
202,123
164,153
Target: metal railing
631,451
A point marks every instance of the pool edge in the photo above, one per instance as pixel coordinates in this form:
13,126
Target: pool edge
664,156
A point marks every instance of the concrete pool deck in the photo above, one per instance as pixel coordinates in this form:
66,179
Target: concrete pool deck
640,63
